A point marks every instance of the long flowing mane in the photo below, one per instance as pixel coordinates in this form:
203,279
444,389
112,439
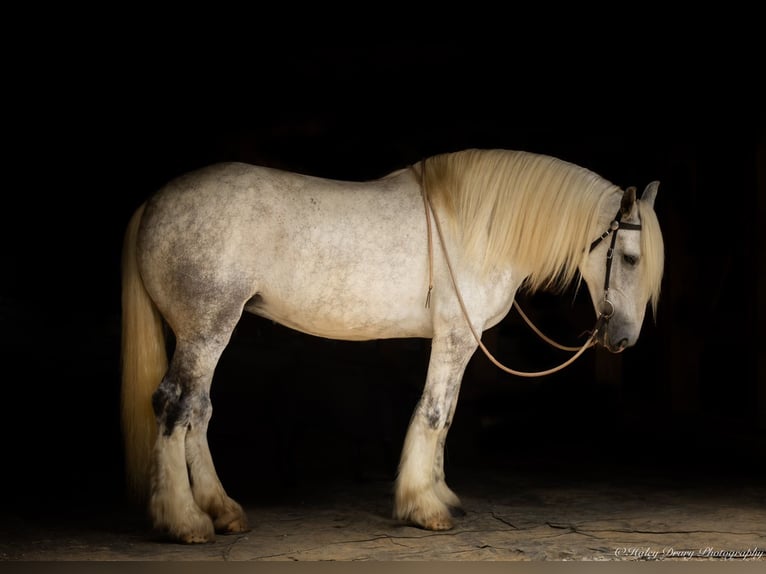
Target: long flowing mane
537,211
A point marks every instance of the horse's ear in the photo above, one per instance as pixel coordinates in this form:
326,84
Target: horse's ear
628,199
650,193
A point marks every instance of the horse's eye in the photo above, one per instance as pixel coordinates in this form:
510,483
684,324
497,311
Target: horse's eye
630,259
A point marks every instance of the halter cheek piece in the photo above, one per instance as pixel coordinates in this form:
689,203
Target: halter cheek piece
607,307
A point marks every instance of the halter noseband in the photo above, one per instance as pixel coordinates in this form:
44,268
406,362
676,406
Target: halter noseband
607,307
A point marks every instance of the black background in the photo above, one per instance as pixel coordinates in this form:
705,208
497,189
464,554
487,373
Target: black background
98,117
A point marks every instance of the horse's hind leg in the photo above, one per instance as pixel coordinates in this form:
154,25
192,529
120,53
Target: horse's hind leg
172,506
209,494
188,501
422,496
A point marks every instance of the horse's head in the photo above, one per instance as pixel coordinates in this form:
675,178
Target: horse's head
624,268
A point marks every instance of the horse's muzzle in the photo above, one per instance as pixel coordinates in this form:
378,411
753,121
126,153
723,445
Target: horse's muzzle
602,336
621,345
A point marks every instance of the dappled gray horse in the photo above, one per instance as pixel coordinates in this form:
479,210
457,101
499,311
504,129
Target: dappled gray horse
437,250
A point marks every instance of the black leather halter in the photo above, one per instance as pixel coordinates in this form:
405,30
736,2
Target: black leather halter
607,307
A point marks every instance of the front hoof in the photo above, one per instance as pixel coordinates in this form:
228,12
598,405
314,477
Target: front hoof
422,508
438,523
197,531
434,520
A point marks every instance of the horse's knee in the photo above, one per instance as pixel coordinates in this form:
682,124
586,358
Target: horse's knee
435,412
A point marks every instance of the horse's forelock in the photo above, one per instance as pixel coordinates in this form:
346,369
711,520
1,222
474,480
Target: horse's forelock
652,253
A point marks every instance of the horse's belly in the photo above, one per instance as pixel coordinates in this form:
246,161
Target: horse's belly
360,314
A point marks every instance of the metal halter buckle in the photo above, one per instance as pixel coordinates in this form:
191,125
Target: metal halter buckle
607,308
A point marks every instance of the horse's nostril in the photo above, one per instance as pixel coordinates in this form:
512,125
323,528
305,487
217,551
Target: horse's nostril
622,344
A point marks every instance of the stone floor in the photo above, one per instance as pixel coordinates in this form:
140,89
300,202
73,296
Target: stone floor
510,516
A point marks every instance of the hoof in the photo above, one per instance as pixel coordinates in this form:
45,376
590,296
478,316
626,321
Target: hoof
197,530
423,509
193,538
440,520
230,519
201,534
232,525
456,511
438,523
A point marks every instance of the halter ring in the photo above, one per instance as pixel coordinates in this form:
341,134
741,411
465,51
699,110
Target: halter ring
607,308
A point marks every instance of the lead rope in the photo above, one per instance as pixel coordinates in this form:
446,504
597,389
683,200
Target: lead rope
539,333
580,350
428,209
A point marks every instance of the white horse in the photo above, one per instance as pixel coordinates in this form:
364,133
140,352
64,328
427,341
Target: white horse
357,261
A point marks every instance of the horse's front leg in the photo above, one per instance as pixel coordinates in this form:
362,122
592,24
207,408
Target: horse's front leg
443,491
422,496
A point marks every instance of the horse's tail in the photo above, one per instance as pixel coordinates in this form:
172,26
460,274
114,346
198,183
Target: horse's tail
144,362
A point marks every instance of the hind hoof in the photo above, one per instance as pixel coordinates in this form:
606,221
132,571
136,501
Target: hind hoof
232,520
196,538
233,526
